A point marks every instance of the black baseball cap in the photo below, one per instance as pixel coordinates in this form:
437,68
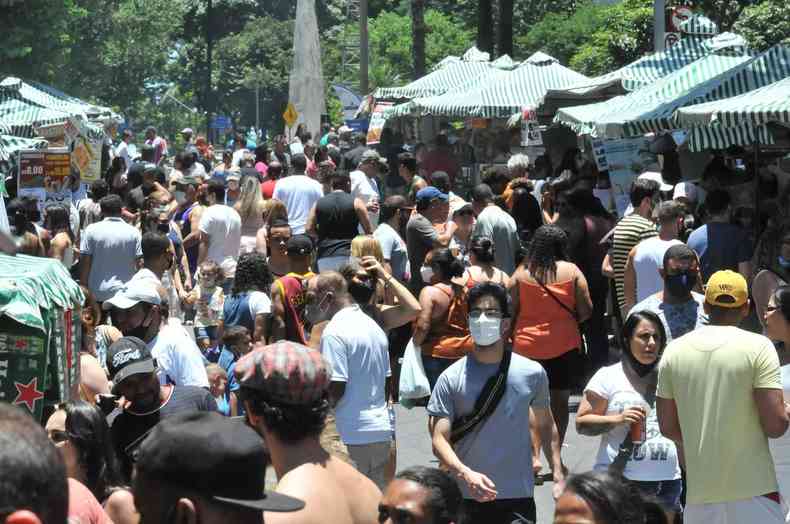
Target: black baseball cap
299,245
221,458
128,356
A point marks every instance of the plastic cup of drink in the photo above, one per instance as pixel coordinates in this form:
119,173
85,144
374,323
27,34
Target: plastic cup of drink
638,430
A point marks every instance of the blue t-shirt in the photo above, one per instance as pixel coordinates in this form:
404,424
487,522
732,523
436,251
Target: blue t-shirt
720,246
500,447
393,248
678,319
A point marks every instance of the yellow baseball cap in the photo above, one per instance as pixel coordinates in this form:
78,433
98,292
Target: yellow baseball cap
726,289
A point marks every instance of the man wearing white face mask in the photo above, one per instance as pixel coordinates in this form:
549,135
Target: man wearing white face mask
485,441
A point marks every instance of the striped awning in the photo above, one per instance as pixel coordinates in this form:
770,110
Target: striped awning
698,25
739,120
500,94
450,76
651,108
11,144
18,117
49,97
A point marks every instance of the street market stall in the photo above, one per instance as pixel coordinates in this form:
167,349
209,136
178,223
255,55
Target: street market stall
40,333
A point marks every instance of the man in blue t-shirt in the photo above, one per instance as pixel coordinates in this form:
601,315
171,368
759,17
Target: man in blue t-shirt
493,461
720,244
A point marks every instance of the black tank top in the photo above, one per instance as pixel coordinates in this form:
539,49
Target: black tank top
337,224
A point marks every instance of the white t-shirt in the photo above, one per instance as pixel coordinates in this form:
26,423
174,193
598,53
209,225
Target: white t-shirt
260,303
780,447
657,457
366,189
648,258
237,157
177,357
357,349
222,224
123,151
299,193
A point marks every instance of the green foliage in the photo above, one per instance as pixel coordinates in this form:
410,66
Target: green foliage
561,34
765,24
723,12
625,35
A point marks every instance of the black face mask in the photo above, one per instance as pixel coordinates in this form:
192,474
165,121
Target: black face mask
362,292
680,284
163,228
640,369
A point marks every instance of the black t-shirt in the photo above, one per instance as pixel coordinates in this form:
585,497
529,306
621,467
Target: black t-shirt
128,430
352,158
337,223
135,200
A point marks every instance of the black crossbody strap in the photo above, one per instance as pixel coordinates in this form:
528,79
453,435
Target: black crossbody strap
488,400
557,300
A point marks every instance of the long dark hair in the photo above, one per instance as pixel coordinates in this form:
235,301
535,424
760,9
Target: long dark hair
568,162
447,264
629,328
615,500
545,250
526,212
87,429
782,299
57,220
482,248
252,274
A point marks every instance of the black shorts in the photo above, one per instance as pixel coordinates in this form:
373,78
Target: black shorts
562,370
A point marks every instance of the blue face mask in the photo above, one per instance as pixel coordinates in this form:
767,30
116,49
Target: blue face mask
783,262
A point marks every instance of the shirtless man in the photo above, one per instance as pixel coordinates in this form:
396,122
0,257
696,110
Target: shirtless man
285,387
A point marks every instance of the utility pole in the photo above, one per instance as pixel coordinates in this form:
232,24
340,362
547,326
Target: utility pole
363,47
659,25
257,107
209,52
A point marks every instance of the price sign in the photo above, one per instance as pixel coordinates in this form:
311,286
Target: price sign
530,130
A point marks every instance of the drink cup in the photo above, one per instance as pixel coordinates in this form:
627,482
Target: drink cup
638,430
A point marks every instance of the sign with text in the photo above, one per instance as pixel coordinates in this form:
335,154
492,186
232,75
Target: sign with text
291,115
625,160
530,129
377,122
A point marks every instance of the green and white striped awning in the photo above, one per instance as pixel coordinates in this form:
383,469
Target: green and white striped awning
651,108
17,117
739,120
500,94
452,75
11,144
49,97
699,25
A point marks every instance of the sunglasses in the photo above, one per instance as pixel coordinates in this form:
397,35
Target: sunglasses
58,437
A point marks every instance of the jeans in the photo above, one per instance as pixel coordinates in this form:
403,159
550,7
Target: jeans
434,367
666,491
501,511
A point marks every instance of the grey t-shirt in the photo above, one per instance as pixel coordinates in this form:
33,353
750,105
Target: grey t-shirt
420,235
394,249
678,319
500,447
114,247
496,224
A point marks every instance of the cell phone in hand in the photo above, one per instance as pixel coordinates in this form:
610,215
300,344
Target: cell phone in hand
107,403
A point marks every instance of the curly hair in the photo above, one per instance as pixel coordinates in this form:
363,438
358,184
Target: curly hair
291,423
547,247
252,274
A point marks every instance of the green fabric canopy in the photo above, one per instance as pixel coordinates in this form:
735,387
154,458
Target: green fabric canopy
30,284
11,144
738,120
17,117
450,76
651,108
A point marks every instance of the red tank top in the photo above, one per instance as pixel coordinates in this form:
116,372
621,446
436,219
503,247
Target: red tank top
293,288
452,339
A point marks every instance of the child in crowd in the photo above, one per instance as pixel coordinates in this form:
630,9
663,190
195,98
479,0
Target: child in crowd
217,384
208,300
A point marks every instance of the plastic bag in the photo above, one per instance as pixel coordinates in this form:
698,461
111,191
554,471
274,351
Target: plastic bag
413,380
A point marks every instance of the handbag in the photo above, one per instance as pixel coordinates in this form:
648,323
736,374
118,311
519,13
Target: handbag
413,383
486,403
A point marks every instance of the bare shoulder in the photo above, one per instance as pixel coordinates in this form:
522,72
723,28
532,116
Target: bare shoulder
120,507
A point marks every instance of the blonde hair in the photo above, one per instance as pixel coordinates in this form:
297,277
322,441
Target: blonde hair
366,246
213,370
251,202
274,209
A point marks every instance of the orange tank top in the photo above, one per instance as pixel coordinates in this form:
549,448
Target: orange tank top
452,339
544,329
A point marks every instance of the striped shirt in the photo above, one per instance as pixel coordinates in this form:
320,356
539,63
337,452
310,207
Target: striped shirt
629,232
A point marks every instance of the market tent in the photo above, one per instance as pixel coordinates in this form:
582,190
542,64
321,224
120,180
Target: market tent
49,97
450,73
738,120
17,117
500,95
641,72
651,108
30,284
11,144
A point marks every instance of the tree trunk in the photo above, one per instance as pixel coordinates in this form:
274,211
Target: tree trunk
418,37
505,44
485,26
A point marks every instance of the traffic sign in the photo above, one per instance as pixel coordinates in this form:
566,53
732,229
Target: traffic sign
290,115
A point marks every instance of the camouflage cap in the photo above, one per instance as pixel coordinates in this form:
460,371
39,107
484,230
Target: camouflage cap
286,372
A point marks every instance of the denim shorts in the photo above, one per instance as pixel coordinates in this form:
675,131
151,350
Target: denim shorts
209,332
667,492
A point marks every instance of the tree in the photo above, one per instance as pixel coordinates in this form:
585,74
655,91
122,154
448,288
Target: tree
505,28
485,26
418,37
765,24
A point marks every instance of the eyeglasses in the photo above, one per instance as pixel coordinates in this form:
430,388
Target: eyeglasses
57,436
771,309
490,313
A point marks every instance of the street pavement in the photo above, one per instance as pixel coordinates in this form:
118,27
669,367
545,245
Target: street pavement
414,449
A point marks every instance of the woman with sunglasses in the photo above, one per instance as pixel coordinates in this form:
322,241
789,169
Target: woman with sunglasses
80,432
777,327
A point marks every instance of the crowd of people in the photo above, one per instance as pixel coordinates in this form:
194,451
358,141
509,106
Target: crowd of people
255,312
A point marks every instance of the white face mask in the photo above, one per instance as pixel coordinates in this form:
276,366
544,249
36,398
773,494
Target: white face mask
426,272
180,197
485,330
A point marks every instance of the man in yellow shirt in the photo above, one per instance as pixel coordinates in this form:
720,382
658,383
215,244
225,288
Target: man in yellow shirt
720,397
